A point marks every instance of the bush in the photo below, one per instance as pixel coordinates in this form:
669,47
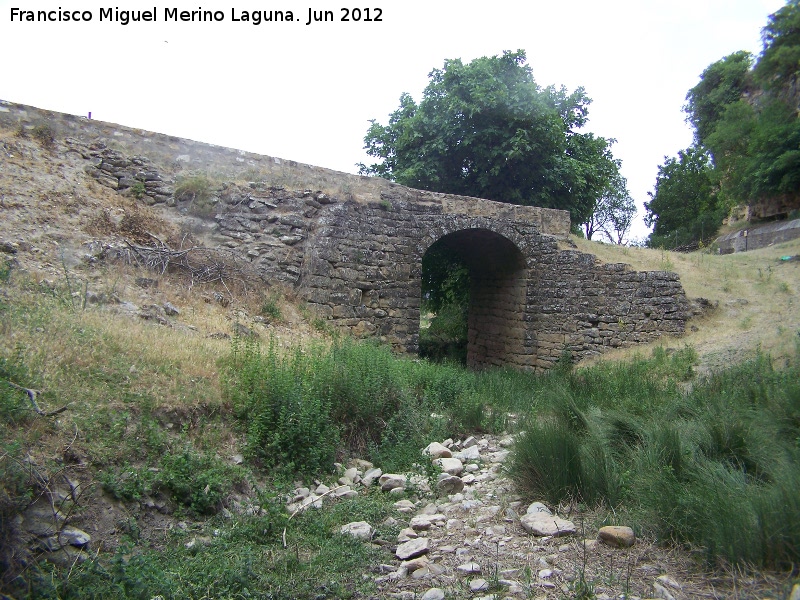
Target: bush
288,422
270,307
198,481
44,134
304,407
196,191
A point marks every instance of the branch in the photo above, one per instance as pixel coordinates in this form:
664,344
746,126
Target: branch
32,396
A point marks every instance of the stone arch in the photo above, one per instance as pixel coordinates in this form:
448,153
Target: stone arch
498,291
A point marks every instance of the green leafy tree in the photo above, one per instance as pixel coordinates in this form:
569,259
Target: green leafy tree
445,295
779,64
683,208
746,115
487,129
721,84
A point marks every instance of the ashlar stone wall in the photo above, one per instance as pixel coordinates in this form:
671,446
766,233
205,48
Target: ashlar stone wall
355,253
529,301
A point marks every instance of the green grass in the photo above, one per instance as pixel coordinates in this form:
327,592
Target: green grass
710,463
240,559
717,467
197,193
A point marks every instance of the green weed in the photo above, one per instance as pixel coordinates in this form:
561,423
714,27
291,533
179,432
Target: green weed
717,467
270,306
196,191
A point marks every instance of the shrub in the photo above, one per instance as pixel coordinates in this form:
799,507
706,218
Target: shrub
138,190
288,423
196,190
44,134
198,481
270,307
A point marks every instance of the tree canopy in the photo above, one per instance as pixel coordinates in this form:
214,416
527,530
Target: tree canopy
683,207
487,129
745,114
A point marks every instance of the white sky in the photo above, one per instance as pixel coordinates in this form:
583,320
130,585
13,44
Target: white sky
306,93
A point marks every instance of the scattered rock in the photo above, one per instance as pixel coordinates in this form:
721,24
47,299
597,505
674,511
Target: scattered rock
404,506
450,484
452,466
425,522
619,537
437,450
412,548
391,481
470,568
661,592
542,524
478,585
358,529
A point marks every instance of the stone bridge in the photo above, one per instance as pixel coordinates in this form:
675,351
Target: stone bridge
354,251
529,300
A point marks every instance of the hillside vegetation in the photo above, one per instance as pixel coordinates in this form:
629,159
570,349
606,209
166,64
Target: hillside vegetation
170,419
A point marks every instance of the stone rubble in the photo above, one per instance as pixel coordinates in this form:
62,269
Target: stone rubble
468,538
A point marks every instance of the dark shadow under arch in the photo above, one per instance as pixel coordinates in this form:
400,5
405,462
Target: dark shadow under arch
498,288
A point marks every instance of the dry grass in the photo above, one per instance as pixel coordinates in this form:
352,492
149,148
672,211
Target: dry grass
755,293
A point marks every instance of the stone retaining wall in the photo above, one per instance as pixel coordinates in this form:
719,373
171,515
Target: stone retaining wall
354,251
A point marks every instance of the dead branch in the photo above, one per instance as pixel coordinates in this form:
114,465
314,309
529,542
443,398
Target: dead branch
202,264
32,396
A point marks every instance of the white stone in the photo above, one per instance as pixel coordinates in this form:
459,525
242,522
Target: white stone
478,585
406,535
470,568
538,507
433,594
500,456
429,509
670,582
390,481
542,524
74,536
661,592
404,506
345,491
471,453
425,522
451,484
437,450
452,466
358,529
415,564
412,548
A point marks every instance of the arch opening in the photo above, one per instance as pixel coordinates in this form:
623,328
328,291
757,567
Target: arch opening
474,285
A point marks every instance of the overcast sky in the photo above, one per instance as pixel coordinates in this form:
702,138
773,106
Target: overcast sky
306,92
